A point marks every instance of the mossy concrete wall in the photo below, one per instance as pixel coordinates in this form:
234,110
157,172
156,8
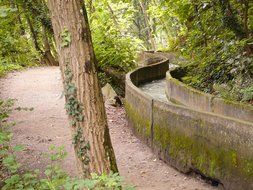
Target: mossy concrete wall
139,112
180,93
216,146
139,108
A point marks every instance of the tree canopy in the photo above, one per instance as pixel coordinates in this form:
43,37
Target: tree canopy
214,37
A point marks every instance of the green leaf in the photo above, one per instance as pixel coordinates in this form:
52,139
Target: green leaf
11,163
13,180
18,148
65,38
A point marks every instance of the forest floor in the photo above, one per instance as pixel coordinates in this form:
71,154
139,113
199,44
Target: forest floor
47,124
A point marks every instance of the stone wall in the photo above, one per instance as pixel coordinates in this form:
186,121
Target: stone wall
180,93
190,140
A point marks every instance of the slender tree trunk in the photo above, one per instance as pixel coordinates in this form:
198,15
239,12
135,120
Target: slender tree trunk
33,34
13,5
32,31
113,15
140,24
48,57
22,29
162,20
84,101
149,31
246,17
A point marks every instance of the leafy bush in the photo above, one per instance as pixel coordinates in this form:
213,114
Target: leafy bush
226,72
7,67
114,45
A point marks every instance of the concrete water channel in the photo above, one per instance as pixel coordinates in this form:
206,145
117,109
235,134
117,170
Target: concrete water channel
156,89
191,130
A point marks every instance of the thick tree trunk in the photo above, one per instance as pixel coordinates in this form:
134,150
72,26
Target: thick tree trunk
84,101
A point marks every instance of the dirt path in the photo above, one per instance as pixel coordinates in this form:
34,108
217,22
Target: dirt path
41,88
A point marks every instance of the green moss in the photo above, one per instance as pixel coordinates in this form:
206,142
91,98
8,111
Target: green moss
190,144
213,161
248,167
141,124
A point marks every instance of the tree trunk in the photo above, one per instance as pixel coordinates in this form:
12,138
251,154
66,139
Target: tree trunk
148,27
32,31
246,17
22,29
33,34
84,101
47,56
113,16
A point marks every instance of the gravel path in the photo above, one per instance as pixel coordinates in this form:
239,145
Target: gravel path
41,88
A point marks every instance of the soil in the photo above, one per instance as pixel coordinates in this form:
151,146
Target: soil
47,124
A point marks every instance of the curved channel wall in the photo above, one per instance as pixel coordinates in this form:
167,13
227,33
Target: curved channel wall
180,93
216,146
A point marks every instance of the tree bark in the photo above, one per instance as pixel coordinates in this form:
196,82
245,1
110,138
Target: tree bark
148,27
84,101
47,55
246,17
32,30
22,29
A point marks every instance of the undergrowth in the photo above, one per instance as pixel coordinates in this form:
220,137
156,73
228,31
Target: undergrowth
226,73
12,177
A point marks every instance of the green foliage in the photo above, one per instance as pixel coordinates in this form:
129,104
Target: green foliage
65,38
7,67
16,50
5,137
73,107
98,182
55,178
247,94
114,45
216,39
